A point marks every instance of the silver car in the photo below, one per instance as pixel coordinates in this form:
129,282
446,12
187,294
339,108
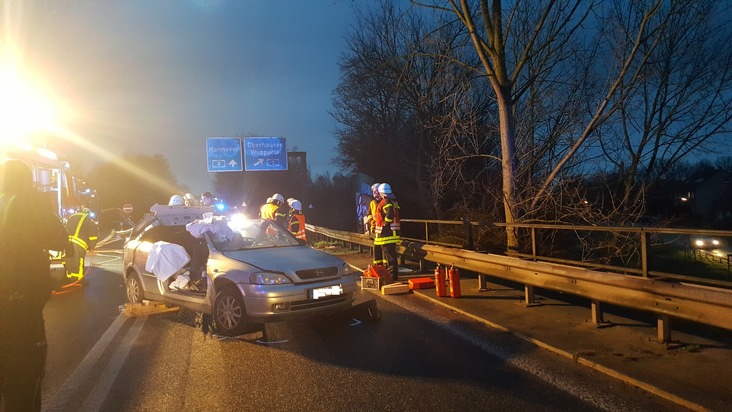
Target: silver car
263,274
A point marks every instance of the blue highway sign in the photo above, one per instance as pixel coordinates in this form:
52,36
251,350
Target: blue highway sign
223,154
265,153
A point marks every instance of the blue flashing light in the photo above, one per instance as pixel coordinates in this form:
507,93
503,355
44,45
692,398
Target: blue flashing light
220,206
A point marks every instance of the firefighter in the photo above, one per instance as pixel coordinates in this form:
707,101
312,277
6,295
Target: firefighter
28,230
190,200
377,255
207,199
83,236
387,230
272,210
296,224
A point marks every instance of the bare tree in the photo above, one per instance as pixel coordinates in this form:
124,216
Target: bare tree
506,63
679,105
396,94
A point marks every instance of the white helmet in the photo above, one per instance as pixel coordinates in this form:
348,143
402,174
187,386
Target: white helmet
176,200
279,198
375,189
385,188
296,204
289,201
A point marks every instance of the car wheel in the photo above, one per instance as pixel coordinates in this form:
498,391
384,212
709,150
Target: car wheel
230,314
134,289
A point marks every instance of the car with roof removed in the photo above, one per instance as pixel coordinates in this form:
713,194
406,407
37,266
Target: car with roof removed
255,271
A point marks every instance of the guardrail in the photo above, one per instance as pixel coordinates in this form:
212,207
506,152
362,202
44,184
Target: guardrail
696,303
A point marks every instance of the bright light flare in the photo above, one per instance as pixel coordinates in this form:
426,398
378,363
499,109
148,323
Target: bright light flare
24,107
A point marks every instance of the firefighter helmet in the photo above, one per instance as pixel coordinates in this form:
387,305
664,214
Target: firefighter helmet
375,189
176,200
385,188
296,204
278,198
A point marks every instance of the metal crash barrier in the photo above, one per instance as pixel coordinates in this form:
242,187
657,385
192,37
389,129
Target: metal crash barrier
697,303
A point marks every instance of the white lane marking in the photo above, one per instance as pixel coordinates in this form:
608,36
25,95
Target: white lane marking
68,390
355,322
99,392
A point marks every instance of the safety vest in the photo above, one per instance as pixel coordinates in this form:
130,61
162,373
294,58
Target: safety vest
387,222
297,225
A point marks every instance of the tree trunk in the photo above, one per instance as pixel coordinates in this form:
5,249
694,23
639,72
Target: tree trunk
508,165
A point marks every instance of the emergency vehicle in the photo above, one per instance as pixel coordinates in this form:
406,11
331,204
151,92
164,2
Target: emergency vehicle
53,177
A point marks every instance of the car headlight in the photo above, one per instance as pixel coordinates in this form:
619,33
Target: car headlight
347,270
268,278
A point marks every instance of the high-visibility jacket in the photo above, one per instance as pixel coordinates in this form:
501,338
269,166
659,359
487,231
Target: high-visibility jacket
387,222
83,231
273,212
83,235
296,226
372,215
267,211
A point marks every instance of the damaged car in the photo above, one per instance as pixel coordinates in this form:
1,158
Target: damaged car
254,271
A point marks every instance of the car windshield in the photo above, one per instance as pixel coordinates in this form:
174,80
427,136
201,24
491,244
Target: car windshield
252,233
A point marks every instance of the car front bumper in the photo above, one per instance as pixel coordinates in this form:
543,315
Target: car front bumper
269,303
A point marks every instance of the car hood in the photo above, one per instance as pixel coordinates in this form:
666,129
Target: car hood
297,260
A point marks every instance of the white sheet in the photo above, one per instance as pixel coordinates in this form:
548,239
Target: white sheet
217,225
166,259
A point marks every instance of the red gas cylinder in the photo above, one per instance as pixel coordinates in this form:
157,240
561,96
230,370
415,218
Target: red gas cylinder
440,281
454,276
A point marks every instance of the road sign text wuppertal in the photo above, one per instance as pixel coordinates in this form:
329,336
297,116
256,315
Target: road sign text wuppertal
265,153
223,154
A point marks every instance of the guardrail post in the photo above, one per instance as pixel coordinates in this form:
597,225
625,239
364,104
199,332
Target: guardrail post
598,317
664,328
533,242
644,252
529,295
469,233
426,233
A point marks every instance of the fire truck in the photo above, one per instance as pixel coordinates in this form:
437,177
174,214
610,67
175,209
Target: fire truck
54,178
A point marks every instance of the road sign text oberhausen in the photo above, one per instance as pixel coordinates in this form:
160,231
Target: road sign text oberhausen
265,153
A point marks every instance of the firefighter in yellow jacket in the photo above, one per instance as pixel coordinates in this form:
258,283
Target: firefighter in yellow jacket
387,231
83,236
272,210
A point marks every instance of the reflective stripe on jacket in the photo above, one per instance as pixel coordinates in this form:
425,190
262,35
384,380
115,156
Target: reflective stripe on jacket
297,225
82,230
387,222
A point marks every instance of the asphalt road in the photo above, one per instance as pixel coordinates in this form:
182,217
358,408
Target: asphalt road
417,357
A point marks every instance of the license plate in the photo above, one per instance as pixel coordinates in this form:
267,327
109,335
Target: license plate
320,293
